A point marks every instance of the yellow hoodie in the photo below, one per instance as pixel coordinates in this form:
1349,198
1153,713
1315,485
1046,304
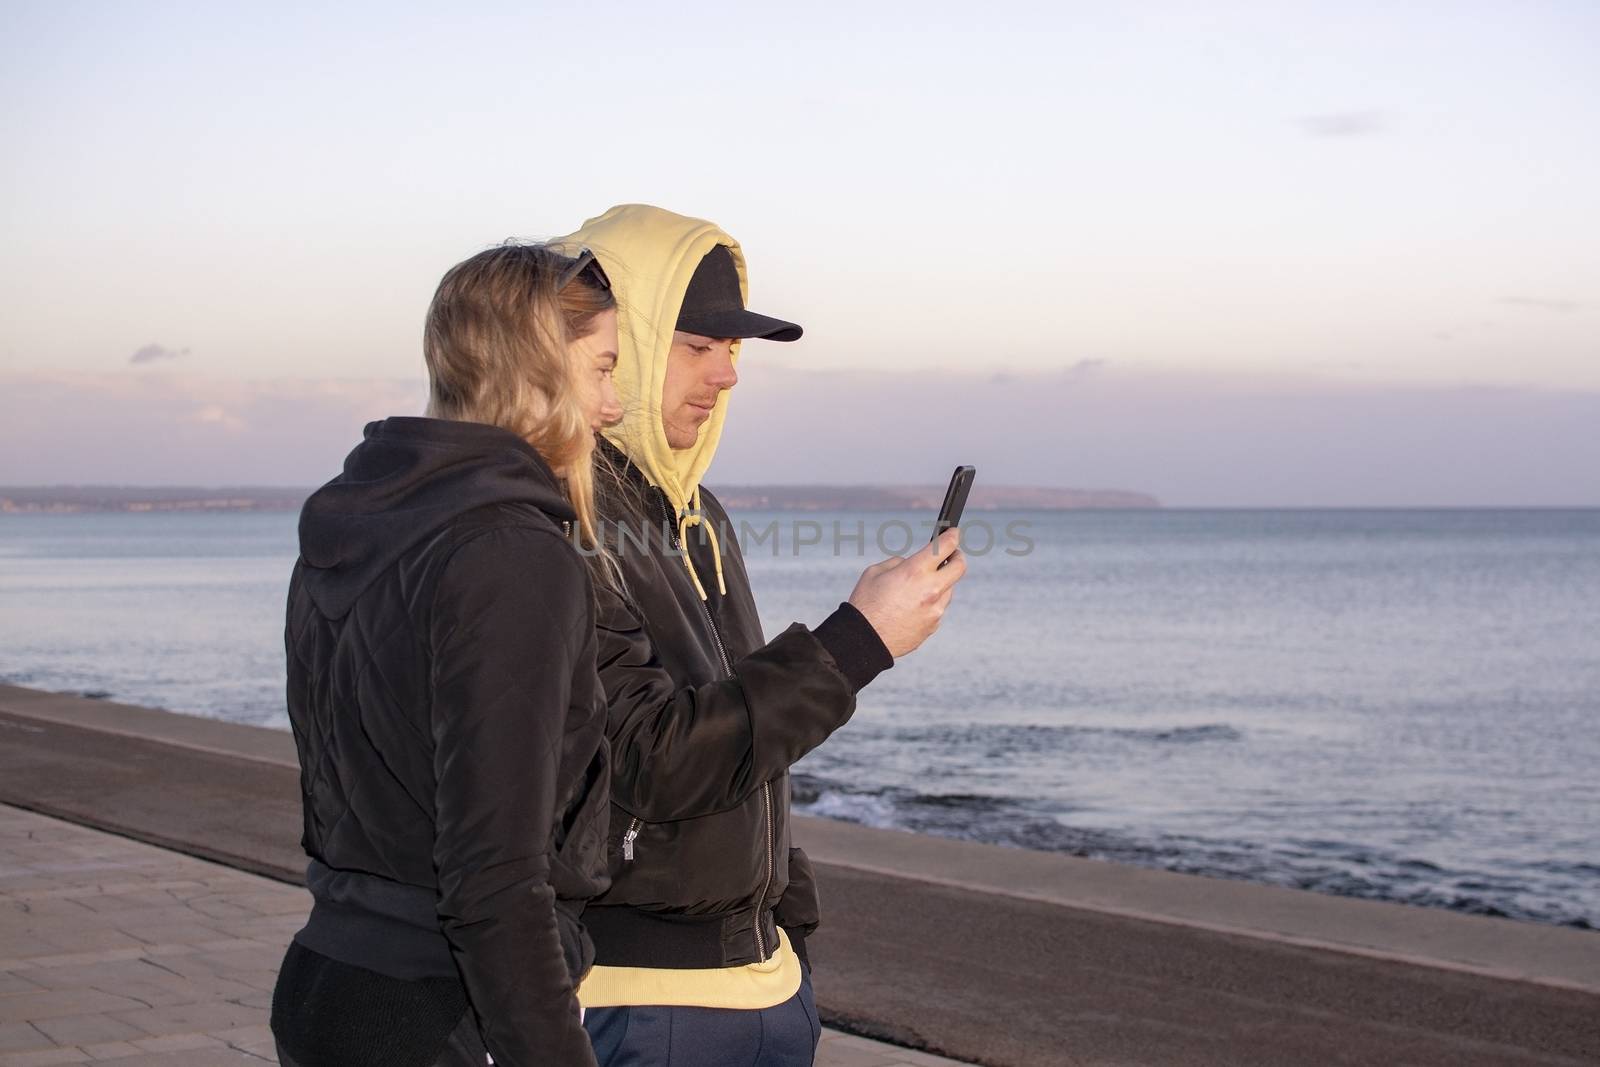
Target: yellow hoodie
650,254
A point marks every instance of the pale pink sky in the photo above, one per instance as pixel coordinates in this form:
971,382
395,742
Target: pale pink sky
1321,253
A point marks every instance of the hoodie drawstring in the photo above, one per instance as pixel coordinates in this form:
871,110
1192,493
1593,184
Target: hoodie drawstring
694,516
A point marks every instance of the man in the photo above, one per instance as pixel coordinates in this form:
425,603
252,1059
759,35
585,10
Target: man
700,943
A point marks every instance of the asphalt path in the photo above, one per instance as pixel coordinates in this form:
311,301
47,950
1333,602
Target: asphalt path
976,976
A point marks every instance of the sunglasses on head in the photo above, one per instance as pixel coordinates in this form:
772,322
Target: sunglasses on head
584,265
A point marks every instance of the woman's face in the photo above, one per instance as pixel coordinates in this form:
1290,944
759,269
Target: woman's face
595,356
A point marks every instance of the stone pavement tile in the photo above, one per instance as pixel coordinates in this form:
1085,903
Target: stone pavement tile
260,1000
836,1054
12,982
257,981
73,934
179,1043
43,1058
22,879
177,994
191,1018
173,933
168,913
21,1037
271,902
85,1029
187,891
58,1004
51,831
256,1039
161,988
204,1057
225,944
207,968
839,1049
136,901
24,910
79,868
127,882
255,958
68,959
21,946
112,1050
79,975
269,930
220,907
922,1059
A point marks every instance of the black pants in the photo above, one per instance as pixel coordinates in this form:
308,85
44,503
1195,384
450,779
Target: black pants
464,1048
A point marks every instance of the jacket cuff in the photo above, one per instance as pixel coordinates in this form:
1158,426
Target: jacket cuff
855,646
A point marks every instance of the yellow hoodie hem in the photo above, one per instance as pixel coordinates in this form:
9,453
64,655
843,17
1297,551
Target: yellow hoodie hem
751,987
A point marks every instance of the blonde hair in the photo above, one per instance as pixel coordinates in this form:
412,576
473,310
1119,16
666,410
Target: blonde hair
497,343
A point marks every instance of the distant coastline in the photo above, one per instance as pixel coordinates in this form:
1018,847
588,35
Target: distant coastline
75,499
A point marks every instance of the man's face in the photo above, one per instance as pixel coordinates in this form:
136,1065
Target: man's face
698,370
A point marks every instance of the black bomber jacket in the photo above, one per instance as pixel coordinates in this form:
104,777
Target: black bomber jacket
705,718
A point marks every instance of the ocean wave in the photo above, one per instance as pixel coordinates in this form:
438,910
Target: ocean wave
1002,738
1339,868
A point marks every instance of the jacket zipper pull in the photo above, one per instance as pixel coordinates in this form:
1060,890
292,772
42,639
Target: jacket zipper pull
627,841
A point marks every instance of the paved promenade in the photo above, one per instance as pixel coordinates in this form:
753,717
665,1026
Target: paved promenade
111,949
997,956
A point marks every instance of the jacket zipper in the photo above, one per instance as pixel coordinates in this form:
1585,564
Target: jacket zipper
766,801
766,787
629,838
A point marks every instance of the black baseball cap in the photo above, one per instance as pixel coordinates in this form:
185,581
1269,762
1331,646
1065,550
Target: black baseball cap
714,307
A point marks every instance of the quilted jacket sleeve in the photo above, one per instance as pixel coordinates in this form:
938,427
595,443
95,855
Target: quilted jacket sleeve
510,619
680,752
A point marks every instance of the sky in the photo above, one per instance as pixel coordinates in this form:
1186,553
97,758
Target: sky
1232,254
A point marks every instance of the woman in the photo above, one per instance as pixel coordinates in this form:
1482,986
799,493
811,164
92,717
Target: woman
443,693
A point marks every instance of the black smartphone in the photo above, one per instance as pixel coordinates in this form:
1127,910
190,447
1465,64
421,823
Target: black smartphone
955,501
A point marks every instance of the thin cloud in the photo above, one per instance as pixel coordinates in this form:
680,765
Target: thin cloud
152,352
1085,367
1560,307
1343,124
217,415
191,429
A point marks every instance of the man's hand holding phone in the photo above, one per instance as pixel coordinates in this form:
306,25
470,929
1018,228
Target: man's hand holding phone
904,598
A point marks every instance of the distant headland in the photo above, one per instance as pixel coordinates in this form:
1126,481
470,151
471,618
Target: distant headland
72,499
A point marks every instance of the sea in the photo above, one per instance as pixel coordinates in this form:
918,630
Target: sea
1389,704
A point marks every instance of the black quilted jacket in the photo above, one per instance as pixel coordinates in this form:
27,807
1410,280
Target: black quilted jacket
705,719
447,713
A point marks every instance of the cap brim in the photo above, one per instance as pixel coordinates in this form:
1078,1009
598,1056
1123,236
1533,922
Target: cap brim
742,324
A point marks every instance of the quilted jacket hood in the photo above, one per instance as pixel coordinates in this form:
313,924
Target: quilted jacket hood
406,479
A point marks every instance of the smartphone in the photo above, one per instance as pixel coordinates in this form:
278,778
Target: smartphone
955,501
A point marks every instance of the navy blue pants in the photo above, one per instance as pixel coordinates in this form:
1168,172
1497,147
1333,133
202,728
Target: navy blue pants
650,1036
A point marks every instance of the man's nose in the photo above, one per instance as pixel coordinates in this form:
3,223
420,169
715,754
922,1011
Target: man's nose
723,374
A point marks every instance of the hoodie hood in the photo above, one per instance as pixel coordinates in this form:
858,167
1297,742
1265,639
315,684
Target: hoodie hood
406,479
650,255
